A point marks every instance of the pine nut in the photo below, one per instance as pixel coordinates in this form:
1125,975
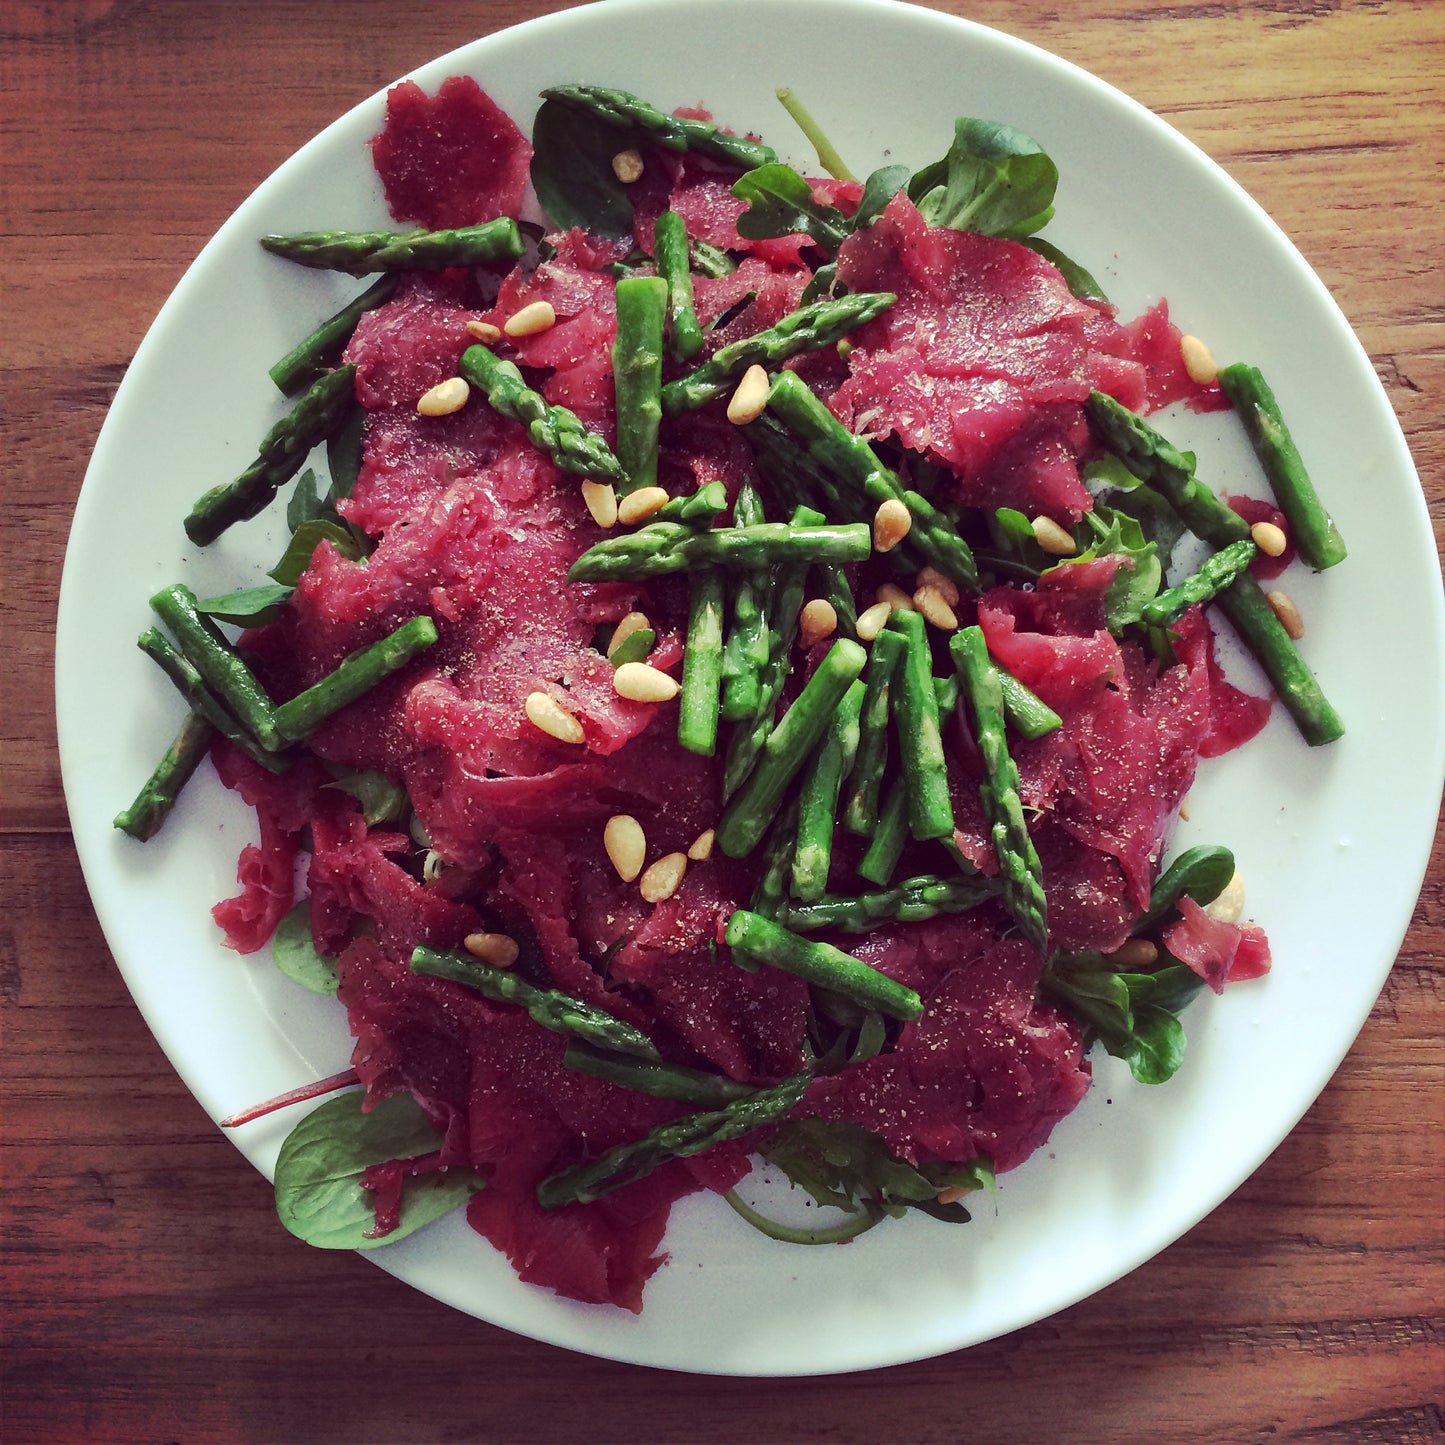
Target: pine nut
1229,906
625,844
817,620
600,499
1197,360
1270,539
663,877
1184,808
1053,538
484,331
627,166
895,597
624,629
535,316
638,506
545,712
445,397
932,577
701,849
872,621
1283,607
639,682
749,400
935,609
891,524
951,1195
498,949
1134,953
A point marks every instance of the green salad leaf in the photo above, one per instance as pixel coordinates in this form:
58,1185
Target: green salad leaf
572,172
296,956
318,1172
994,180
780,203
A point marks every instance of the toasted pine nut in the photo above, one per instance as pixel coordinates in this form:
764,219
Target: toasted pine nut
638,506
935,609
1283,607
625,629
1229,906
817,620
640,682
1134,953
483,331
535,316
932,577
445,397
1053,538
625,844
895,597
951,1195
750,398
701,848
498,949
1197,360
1270,539
873,620
627,166
544,711
891,523
600,499
663,877
1184,808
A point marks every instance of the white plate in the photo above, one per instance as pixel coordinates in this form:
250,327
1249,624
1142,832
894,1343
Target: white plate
1333,843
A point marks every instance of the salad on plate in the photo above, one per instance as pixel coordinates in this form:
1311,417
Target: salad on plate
730,689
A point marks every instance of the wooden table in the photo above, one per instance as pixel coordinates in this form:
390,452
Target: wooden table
148,1293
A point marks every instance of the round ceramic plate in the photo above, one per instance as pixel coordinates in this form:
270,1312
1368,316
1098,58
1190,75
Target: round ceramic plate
1333,842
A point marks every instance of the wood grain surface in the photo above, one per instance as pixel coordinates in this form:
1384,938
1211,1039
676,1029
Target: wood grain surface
148,1293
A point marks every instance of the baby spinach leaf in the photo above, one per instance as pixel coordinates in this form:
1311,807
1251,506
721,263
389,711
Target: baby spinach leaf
780,203
1154,1046
1078,280
251,607
995,180
382,801
343,456
1203,873
295,954
305,540
572,172
880,188
318,1172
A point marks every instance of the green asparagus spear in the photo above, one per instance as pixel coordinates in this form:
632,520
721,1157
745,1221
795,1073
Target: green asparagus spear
834,447
680,1138
920,741
698,509
770,892
627,112
309,360
1027,713
548,1007
820,964
158,794
219,664
911,901
192,686
556,430
675,267
1171,473
360,252
747,816
886,846
701,694
663,547
1216,572
358,674
637,377
865,780
1019,868
282,453
1313,529
662,1081
745,653
1247,608
780,623
810,328
818,798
